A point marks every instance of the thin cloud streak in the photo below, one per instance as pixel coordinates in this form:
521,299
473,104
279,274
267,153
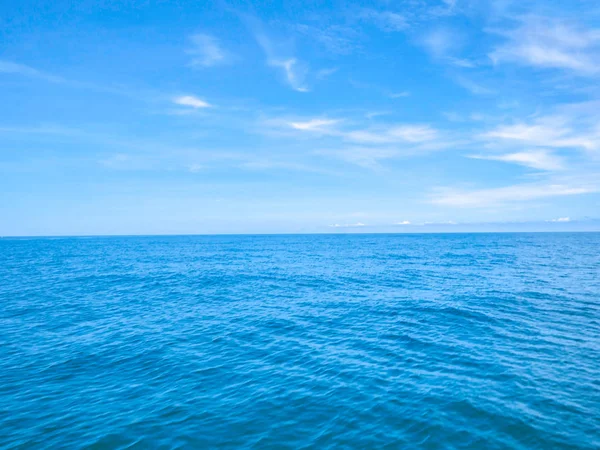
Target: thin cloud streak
364,147
293,71
548,131
485,198
552,44
403,133
24,70
348,225
536,159
314,125
191,101
293,75
206,51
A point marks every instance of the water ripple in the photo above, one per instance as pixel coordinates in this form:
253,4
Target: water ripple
366,341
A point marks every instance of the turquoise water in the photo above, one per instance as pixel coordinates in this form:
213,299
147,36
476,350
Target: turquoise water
485,341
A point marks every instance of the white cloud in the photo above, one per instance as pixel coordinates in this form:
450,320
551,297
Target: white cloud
376,135
206,51
537,159
399,94
443,44
365,147
294,74
305,127
549,131
190,100
313,124
560,219
509,194
348,225
403,133
404,222
551,43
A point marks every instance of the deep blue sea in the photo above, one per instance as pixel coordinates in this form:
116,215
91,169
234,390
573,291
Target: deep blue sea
449,341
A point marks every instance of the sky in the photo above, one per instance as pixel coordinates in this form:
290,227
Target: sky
200,117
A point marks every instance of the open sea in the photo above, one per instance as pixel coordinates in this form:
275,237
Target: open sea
438,341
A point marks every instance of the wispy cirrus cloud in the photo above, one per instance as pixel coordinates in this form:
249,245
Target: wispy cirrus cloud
393,134
11,67
352,131
346,139
550,43
444,44
191,101
319,125
206,51
296,127
536,159
294,71
491,197
548,131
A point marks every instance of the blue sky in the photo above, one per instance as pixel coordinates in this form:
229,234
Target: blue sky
141,117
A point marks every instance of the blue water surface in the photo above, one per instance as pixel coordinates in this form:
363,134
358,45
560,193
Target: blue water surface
451,341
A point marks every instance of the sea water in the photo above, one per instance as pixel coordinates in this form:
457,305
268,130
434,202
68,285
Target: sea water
446,341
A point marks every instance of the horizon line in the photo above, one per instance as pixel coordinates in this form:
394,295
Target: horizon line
54,236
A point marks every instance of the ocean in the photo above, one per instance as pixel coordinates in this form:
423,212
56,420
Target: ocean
446,341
